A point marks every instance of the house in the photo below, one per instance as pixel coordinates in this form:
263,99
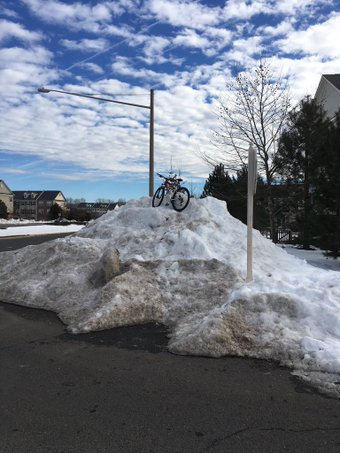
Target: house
97,209
35,204
328,93
6,195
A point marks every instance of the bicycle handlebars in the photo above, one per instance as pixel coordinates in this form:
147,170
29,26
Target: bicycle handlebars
173,178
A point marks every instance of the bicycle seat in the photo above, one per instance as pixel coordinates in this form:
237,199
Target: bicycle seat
179,179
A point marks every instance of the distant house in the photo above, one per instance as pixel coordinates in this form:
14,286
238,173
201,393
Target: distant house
97,209
6,195
36,205
328,93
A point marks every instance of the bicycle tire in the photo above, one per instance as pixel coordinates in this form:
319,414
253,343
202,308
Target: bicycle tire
180,199
158,197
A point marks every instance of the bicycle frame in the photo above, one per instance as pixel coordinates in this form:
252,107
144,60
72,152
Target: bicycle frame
170,184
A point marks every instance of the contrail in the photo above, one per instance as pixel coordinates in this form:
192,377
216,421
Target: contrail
109,48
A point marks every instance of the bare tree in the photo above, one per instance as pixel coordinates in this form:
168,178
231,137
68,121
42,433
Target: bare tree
252,112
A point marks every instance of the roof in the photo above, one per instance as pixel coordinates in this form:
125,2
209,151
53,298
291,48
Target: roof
4,186
334,79
104,206
48,195
42,195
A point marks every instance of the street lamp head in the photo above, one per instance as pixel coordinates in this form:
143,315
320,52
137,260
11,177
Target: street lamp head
43,90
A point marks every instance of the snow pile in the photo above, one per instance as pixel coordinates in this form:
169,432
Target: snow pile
186,270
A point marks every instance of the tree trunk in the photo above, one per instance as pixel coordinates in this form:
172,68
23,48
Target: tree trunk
307,207
270,206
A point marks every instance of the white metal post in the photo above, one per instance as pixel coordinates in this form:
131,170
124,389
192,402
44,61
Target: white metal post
252,180
152,138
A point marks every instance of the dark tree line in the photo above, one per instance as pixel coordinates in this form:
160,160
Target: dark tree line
233,190
3,210
309,155
305,192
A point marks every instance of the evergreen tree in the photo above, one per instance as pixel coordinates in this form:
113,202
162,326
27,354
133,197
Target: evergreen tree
55,211
3,210
327,191
217,183
233,190
297,159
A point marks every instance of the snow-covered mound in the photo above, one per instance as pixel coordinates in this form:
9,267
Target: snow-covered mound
139,264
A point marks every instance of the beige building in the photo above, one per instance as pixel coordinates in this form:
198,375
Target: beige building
36,205
6,195
328,93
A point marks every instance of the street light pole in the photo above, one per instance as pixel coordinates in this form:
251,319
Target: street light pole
149,107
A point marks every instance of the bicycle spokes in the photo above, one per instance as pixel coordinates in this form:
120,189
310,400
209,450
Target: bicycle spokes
181,199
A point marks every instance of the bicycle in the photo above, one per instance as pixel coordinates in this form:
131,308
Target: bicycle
171,185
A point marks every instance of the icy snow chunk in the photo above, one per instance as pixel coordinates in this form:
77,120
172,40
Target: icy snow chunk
107,267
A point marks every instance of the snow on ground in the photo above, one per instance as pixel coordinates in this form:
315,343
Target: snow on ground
16,221
38,229
186,270
316,257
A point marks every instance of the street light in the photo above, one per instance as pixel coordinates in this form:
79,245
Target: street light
151,129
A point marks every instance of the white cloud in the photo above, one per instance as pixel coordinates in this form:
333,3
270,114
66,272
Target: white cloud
190,38
210,40
243,9
293,6
8,12
10,30
75,15
320,39
35,55
85,45
304,73
244,52
22,71
246,9
185,13
220,36
154,48
123,67
122,30
282,28
92,67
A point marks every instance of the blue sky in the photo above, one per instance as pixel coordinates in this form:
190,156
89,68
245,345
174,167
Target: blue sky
186,51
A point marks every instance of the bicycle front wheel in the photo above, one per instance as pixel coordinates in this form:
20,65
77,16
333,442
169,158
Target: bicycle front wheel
180,199
158,197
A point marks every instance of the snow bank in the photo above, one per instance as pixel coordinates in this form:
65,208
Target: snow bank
186,270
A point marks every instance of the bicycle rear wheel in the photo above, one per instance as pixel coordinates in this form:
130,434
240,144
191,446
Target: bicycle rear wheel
158,197
180,199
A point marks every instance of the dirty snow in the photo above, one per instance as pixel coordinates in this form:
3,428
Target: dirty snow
186,270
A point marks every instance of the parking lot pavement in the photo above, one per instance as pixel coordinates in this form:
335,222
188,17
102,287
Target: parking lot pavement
121,391
14,243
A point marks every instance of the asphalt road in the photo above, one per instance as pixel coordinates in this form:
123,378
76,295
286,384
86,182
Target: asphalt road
121,391
17,242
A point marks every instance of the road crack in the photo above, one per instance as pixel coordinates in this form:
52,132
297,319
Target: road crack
222,439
